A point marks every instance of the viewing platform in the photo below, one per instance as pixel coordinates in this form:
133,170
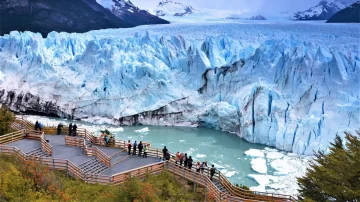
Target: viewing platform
87,158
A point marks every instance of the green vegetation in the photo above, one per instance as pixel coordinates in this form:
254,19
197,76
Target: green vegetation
242,186
334,176
31,181
6,118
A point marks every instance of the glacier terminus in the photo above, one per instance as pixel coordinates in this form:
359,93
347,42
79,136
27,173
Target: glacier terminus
293,90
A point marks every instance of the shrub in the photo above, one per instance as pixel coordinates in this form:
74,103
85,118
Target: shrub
6,119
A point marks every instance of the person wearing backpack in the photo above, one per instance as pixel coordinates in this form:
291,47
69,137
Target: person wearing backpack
181,158
164,152
185,160
190,162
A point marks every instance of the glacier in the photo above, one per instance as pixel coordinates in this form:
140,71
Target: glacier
291,86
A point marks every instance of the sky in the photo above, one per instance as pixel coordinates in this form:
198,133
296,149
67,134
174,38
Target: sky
250,5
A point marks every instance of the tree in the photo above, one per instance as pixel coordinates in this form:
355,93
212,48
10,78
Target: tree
6,119
334,176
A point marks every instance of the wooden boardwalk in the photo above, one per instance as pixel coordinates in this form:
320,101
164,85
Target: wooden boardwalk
86,158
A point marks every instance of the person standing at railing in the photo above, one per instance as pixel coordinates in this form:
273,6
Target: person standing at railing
59,128
181,158
140,147
74,129
145,151
197,167
203,166
40,126
177,157
70,129
185,160
190,162
129,147
134,148
167,156
36,125
212,172
164,152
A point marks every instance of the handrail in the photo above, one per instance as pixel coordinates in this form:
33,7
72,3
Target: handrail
45,146
236,191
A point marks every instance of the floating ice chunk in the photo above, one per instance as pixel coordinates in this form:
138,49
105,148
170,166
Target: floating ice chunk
230,173
262,180
200,156
181,140
143,130
116,129
292,154
254,153
282,167
268,149
274,155
259,165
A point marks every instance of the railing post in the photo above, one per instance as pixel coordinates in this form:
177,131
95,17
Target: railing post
67,168
53,164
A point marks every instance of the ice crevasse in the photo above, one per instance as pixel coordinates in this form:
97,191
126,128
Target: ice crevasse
287,93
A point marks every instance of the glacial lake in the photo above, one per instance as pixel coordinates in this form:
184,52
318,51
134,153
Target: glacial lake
225,150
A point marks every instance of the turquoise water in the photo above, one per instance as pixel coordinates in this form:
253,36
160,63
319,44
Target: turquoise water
224,149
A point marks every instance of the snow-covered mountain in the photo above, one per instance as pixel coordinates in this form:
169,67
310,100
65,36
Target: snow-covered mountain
291,90
323,11
128,12
349,14
173,8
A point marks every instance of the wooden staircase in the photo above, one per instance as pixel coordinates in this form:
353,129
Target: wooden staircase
37,153
93,166
118,158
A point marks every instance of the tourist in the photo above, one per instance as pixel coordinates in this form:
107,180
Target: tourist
74,129
40,126
203,166
134,148
140,147
185,160
164,152
181,158
177,157
36,125
145,151
167,156
197,167
59,127
70,129
129,147
190,162
106,138
212,172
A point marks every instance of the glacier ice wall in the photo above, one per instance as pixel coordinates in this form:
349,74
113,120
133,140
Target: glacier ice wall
290,93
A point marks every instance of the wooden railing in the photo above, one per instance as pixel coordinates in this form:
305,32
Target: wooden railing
12,137
236,192
45,146
74,142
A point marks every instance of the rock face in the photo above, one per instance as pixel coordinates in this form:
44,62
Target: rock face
323,11
44,16
128,12
347,15
173,8
294,93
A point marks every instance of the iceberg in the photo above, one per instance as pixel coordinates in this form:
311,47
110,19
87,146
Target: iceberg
274,155
293,90
259,165
254,153
143,130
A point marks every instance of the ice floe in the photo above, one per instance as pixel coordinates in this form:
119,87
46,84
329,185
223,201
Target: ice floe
143,130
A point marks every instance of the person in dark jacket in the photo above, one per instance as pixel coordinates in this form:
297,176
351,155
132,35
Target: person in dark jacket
181,158
134,148
36,125
74,129
59,128
212,172
167,156
140,147
70,129
129,147
40,126
164,152
190,162
185,160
